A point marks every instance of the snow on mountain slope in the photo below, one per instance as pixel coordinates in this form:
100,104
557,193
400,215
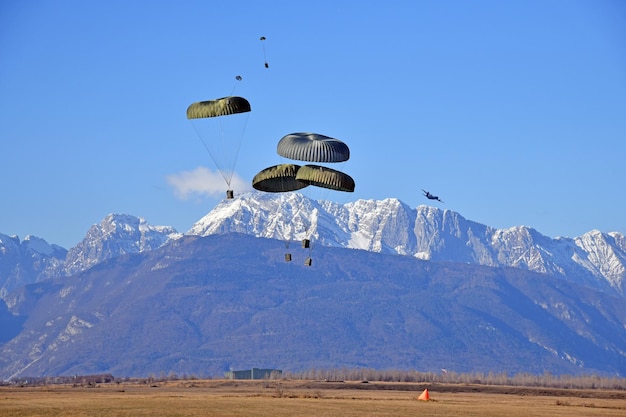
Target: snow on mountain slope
115,235
23,262
603,254
390,226
386,226
34,260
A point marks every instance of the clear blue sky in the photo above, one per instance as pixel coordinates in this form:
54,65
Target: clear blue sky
513,112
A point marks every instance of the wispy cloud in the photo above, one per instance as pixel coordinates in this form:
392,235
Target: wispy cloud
203,182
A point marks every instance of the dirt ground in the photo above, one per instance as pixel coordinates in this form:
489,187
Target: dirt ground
304,398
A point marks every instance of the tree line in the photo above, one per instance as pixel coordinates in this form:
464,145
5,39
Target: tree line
546,380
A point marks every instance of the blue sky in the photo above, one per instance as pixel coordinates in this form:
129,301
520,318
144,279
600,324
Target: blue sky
514,112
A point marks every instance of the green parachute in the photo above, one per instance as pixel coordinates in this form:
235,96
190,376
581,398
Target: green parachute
220,107
220,125
278,179
324,177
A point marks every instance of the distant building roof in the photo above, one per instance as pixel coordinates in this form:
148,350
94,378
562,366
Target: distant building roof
254,373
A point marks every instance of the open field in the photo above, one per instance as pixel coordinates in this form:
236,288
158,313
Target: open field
304,398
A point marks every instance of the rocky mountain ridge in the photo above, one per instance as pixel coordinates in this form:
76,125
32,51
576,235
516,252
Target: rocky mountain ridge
34,260
388,226
204,305
23,262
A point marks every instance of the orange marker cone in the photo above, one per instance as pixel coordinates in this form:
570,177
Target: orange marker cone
424,395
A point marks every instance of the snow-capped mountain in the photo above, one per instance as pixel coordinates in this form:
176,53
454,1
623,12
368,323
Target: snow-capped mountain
33,259
115,235
199,306
567,318
21,262
389,226
386,226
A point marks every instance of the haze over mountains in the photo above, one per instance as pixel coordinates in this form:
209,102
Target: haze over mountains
134,299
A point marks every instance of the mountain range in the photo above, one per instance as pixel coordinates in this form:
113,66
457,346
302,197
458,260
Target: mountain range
34,259
389,287
389,226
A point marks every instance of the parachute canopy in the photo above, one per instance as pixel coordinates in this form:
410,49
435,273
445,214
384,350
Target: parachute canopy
278,179
220,107
320,176
313,147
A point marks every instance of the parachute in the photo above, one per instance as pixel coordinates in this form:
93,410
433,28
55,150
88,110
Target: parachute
220,107
278,179
320,176
220,125
262,39
307,147
312,147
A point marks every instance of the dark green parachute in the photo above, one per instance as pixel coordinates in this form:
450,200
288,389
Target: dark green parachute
320,176
221,125
278,179
313,147
221,107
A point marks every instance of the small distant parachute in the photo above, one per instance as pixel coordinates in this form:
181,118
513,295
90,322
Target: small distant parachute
220,125
238,78
262,39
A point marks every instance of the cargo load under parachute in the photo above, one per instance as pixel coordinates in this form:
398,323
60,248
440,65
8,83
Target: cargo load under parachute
307,147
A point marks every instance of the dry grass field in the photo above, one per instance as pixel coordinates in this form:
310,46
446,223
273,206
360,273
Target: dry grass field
304,398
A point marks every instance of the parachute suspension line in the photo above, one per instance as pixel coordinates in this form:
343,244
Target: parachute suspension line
307,243
213,157
262,39
287,237
226,174
237,78
237,149
205,145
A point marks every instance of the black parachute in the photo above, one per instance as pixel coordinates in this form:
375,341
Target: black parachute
262,39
